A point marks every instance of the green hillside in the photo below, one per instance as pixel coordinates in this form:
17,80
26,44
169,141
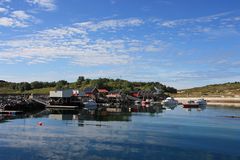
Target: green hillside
38,87
226,89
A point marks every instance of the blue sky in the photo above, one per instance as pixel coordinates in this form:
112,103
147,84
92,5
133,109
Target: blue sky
181,43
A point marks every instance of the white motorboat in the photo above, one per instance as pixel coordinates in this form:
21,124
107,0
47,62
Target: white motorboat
137,102
169,101
201,102
90,105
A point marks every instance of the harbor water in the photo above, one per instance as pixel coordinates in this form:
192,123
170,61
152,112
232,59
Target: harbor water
153,133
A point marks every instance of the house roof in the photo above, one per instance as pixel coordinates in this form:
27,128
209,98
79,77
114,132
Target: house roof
113,95
136,91
115,92
89,89
102,91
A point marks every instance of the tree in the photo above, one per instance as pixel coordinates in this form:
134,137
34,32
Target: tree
171,90
24,86
36,85
61,84
80,80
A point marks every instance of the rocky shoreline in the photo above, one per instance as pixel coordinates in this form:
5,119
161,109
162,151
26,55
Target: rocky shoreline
18,103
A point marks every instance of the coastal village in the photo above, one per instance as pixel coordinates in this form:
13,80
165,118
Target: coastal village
102,93
88,99
96,99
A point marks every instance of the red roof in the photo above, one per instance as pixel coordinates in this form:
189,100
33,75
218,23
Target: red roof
102,91
113,95
136,94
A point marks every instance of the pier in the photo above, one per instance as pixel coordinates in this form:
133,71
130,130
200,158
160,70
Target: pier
48,106
62,107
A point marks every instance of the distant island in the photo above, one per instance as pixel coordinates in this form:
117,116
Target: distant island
227,94
214,90
38,87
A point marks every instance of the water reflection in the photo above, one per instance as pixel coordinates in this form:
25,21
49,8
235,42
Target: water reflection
169,134
7,117
199,108
147,108
63,116
170,107
115,113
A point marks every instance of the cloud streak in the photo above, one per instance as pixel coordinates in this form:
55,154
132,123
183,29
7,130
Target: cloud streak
48,5
213,25
205,19
15,18
3,10
9,17
75,44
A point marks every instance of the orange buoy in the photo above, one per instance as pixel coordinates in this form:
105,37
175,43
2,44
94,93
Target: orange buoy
40,123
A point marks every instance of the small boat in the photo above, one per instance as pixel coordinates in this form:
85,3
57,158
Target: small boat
190,104
169,101
201,102
90,105
144,102
137,102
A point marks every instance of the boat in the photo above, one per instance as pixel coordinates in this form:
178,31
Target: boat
137,102
190,104
144,102
169,101
201,102
90,105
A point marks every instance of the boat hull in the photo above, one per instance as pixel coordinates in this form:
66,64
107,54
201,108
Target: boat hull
190,105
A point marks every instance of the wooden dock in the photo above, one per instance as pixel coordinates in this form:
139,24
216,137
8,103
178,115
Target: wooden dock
8,112
48,106
62,107
39,101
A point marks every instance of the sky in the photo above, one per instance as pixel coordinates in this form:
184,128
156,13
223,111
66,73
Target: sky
180,43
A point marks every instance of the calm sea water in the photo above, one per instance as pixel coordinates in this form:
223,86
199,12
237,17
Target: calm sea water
168,134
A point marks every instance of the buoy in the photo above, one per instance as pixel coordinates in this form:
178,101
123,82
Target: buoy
40,123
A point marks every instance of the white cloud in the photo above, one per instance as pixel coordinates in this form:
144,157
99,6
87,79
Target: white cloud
41,51
47,5
74,44
4,1
3,10
213,25
14,18
110,24
155,46
5,21
205,19
21,15
20,18
12,22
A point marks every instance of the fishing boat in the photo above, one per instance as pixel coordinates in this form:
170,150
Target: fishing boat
190,104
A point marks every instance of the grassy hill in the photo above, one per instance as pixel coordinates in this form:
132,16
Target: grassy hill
38,87
34,91
226,89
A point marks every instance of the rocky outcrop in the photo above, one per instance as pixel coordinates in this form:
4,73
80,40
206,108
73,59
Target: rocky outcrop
18,103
